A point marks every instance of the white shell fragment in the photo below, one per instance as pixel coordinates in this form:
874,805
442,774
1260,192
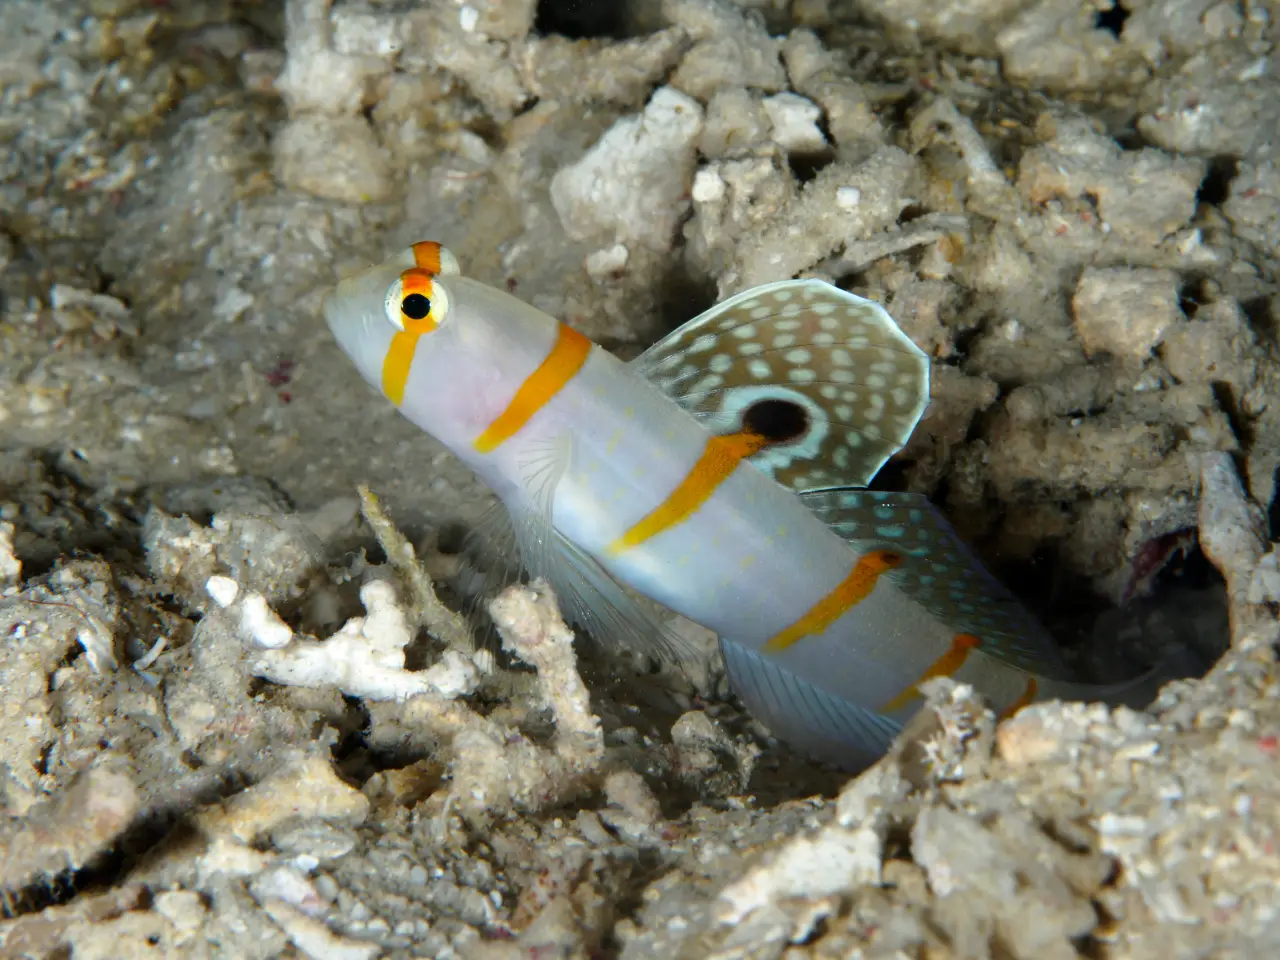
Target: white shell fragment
795,123
223,590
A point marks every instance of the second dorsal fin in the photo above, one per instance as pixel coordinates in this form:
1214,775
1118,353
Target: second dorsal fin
939,572
826,376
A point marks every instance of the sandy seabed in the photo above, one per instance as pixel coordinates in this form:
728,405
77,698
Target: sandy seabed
238,721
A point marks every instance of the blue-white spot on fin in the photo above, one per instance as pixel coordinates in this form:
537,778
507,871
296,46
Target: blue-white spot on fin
940,573
830,371
794,710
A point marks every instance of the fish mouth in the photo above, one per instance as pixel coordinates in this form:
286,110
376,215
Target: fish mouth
349,307
333,315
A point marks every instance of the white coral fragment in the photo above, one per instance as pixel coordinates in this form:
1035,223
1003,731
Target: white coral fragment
632,182
314,939
365,658
531,627
731,49
795,123
835,860
258,623
493,767
85,592
10,565
223,590
1143,195
261,624
607,261
316,75
941,120
1125,312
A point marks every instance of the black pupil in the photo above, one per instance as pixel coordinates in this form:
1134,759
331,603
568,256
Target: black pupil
776,420
415,306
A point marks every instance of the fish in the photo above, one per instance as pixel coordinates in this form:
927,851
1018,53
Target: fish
724,474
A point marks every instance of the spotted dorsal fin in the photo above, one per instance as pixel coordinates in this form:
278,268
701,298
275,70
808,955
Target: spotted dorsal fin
940,572
826,376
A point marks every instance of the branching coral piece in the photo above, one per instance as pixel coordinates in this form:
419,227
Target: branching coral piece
495,768
365,658
531,627
426,609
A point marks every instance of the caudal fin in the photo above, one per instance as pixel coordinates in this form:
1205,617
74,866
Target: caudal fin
1137,693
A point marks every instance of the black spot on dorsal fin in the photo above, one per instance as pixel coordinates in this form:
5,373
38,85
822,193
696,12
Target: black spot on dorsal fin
826,376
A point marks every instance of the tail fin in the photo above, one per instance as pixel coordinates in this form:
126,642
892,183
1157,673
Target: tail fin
1137,693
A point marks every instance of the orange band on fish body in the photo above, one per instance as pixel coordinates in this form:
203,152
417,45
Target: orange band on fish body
852,590
399,358
561,365
1028,695
945,666
719,459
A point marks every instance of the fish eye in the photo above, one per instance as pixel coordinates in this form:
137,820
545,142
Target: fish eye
416,307
414,303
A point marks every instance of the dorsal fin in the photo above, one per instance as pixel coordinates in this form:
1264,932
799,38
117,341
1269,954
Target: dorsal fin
827,376
940,573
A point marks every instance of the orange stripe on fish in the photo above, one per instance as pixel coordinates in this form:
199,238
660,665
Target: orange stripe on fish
426,255
719,459
945,666
561,365
1028,695
851,591
399,358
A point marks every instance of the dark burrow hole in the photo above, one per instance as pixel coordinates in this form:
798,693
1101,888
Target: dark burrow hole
1112,19
1189,298
912,211
352,754
1216,185
582,19
1261,314
683,295
806,166
1273,510
451,537
893,477
1130,139
1179,625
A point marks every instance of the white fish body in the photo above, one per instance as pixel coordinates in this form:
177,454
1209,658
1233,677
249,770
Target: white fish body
718,474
